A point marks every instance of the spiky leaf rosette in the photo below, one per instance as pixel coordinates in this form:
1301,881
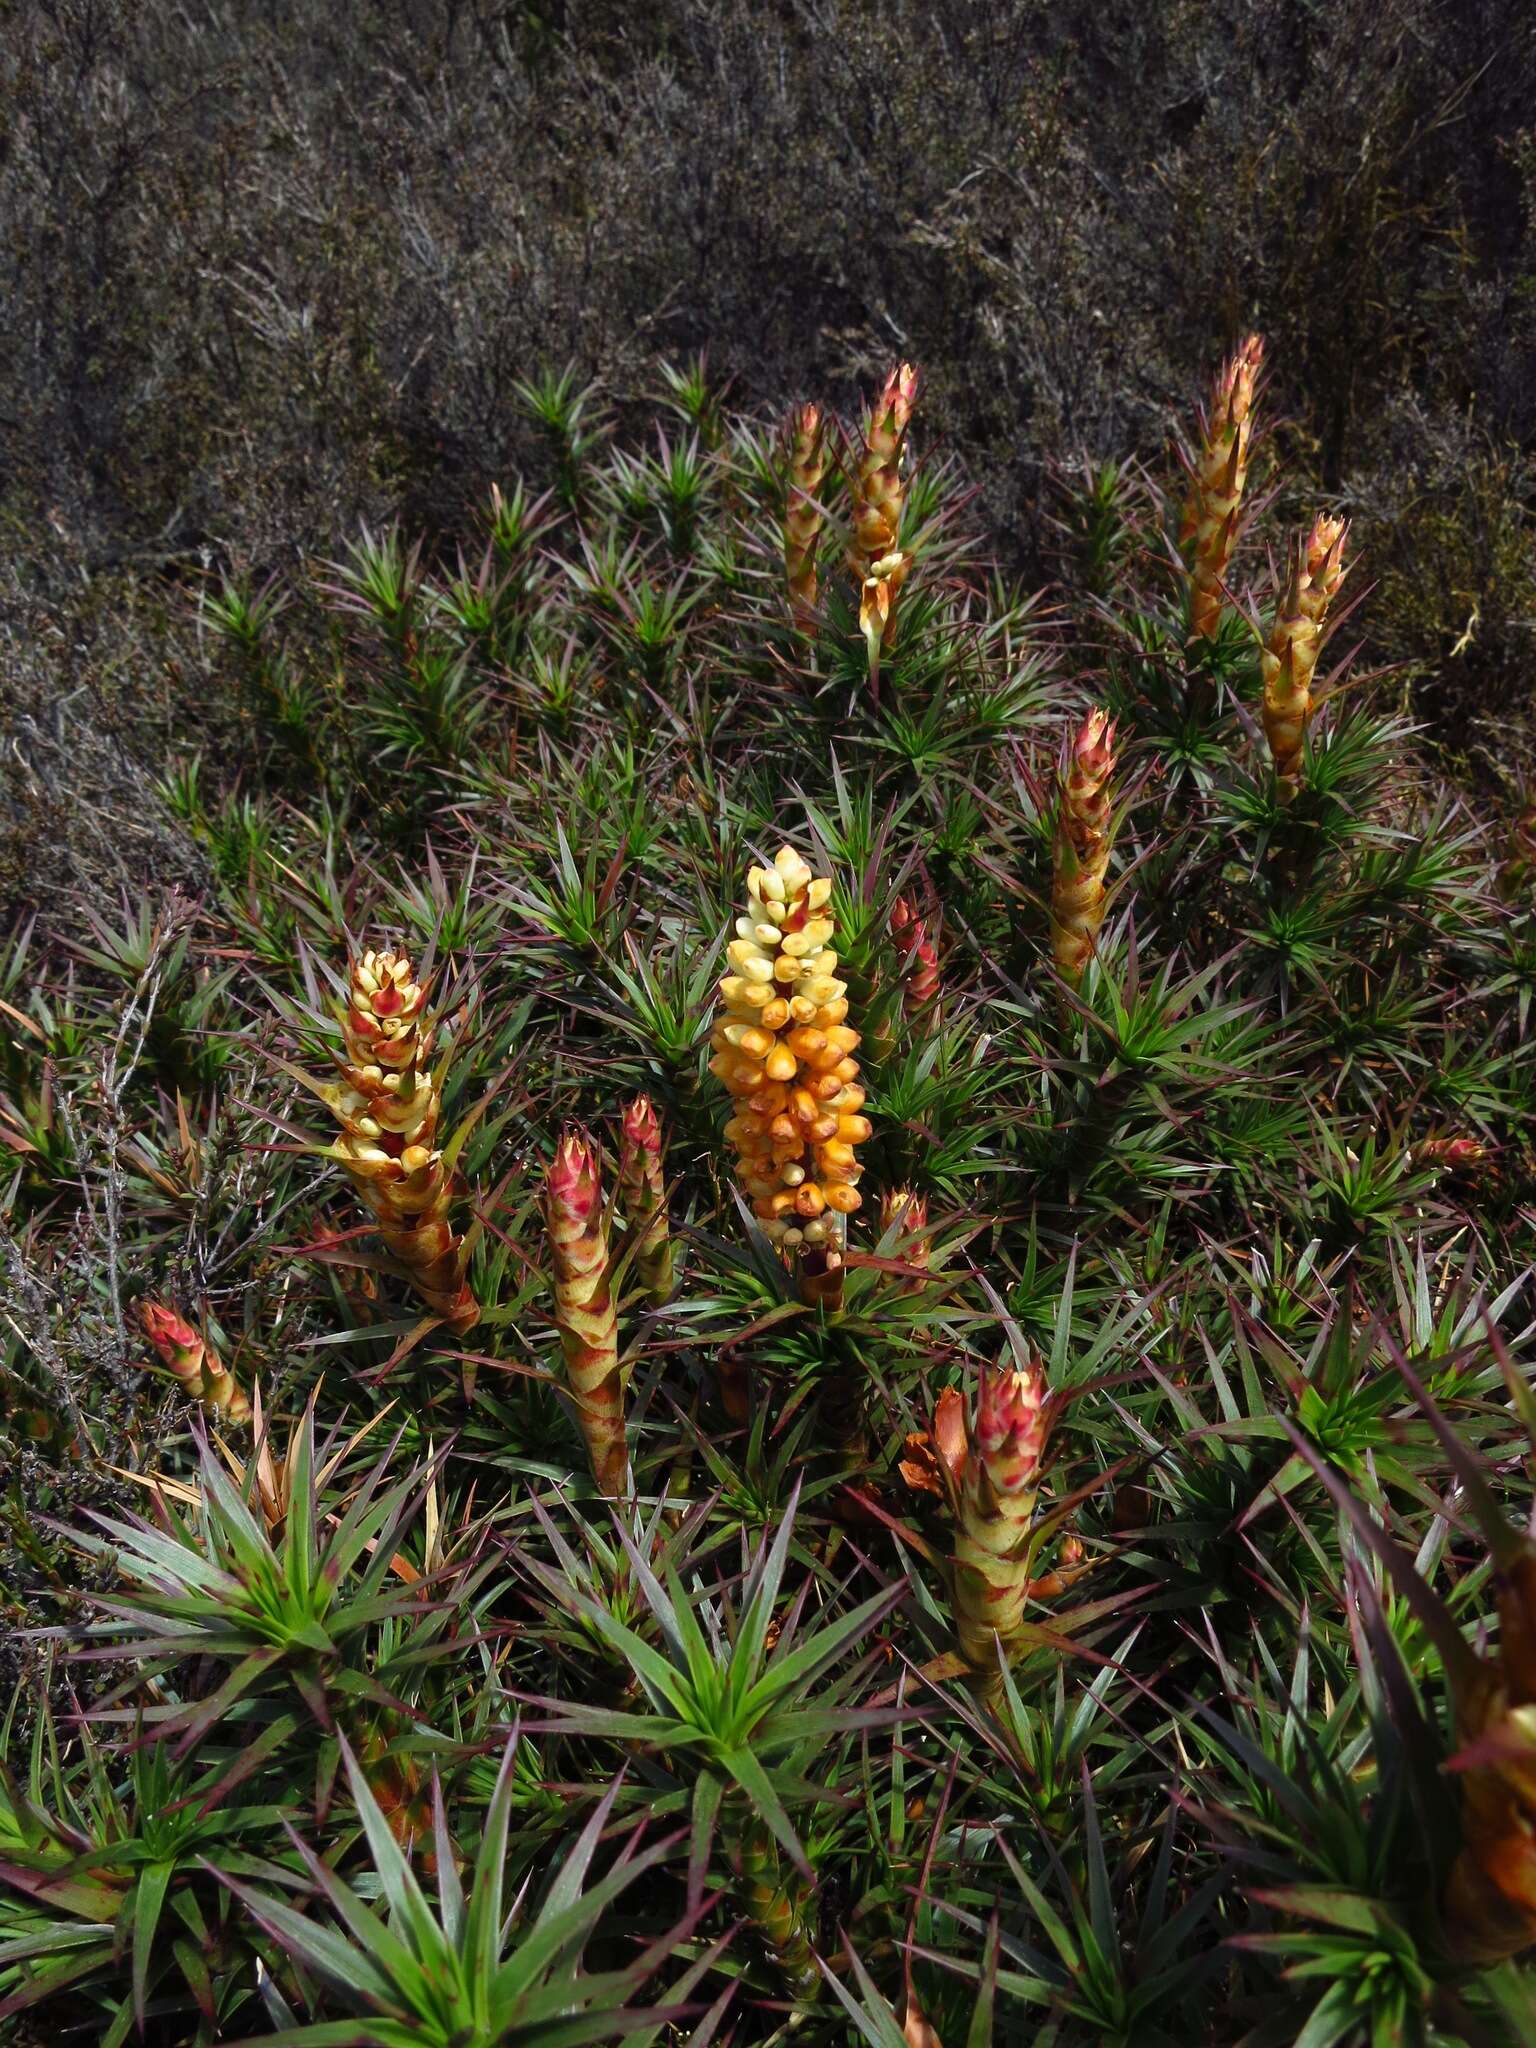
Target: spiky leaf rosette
784,1049
470,1969
1218,478
389,1106
1289,658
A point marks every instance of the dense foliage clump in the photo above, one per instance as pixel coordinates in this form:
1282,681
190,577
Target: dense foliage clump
270,271
800,1302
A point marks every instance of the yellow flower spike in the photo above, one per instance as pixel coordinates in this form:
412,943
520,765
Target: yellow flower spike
788,1063
388,1105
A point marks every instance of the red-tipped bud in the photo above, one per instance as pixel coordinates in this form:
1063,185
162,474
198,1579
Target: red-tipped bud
180,1347
918,959
899,396
1218,477
803,516
642,1127
1289,657
1093,755
1452,1155
574,1182
1010,1427
642,1179
879,495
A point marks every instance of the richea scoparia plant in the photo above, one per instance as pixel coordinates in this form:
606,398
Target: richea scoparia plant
802,1310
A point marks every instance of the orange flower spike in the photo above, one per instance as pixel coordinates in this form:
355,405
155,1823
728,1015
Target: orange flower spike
783,1050
389,1104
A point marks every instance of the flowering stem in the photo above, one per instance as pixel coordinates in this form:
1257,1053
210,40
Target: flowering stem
584,1308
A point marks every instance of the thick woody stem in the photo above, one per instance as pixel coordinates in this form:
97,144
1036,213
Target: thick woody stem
1084,834
778,1901
584,1308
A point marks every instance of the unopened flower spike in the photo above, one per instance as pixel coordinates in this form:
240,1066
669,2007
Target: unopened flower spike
784,1049
643,1184
585,1312
388,1104
993,1475
879,495
905,1213
1084,837
1289,658
1218,479
809,454
189,1355
917,958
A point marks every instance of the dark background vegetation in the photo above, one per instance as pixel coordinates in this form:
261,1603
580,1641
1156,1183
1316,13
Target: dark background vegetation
273,267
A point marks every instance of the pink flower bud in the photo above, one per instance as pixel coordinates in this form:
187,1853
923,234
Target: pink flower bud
179,1345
